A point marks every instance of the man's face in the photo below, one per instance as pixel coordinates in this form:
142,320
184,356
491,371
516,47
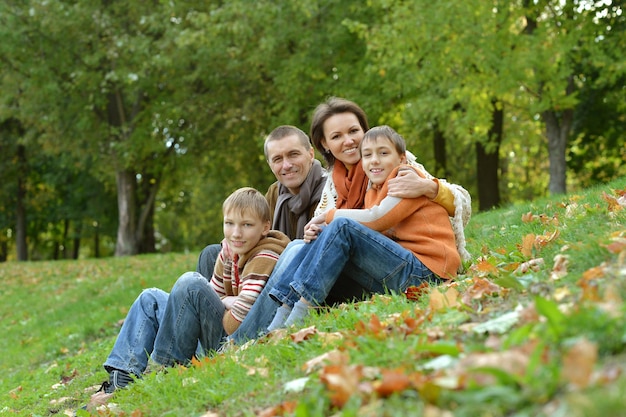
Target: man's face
290,161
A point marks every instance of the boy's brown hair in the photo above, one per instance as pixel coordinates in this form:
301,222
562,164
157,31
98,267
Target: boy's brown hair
248,200
384,131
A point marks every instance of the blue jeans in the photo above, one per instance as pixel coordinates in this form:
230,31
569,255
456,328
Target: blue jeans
262,312
207,259
192,322
347,247
170,327
136,338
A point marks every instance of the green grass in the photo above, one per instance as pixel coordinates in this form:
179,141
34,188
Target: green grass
389,356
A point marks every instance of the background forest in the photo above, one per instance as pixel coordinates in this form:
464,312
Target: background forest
123,125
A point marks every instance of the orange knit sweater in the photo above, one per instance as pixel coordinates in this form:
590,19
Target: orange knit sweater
417,224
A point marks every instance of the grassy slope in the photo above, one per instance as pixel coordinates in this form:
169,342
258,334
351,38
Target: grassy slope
388,356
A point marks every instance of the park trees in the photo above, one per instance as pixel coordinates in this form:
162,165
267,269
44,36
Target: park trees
460,67
162,106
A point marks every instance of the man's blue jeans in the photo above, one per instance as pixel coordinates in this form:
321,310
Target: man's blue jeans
262,312
348,248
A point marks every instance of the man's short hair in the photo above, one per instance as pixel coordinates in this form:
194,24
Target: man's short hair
247,200
287,130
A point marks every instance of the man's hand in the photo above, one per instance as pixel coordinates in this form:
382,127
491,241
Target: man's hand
408,184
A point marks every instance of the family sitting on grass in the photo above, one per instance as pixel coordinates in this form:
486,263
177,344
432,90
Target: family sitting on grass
376,222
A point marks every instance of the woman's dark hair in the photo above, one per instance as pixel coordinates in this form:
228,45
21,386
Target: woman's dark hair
331,107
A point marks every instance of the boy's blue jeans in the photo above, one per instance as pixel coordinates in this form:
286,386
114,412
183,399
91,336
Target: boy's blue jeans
346,247
170,327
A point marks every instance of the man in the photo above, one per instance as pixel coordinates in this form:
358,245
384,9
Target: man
294,196
292,200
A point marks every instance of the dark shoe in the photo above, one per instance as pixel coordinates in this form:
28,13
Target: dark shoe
117,379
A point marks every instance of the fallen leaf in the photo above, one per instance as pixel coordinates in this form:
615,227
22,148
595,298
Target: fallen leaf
210,414
303,334
61,400
578,363
542,240
531,265
483,267
478,289
500,324
546,220
414,293
613,203
439,301
432,411
528,244
617,246
342,382
296,385
559,270
374,327
285,408
333,357
392,381
514,362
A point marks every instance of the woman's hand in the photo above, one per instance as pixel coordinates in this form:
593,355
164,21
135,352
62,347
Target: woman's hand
314,227
408,184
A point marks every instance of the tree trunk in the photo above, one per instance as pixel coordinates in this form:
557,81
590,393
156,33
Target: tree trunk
145,228
76,240
557,131
20,215
66,230
147,243
127,229
4,250
439,145
96,242
488,163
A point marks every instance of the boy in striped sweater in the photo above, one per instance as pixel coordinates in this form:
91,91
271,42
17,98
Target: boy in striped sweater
198,314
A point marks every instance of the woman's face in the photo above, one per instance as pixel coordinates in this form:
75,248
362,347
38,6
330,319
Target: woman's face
342,135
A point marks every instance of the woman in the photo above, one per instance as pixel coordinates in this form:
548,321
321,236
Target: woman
337,127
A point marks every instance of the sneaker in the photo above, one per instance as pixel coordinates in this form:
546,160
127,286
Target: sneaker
117,379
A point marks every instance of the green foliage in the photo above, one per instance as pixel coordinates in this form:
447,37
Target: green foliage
181,94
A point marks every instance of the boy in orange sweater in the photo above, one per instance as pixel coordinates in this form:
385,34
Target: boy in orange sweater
391,245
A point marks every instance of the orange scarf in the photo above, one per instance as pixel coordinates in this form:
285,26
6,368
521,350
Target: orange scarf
350,185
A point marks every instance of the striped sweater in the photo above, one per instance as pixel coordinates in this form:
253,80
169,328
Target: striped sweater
245,276
417,224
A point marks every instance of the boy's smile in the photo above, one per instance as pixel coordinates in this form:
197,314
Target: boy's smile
243,230
379,158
